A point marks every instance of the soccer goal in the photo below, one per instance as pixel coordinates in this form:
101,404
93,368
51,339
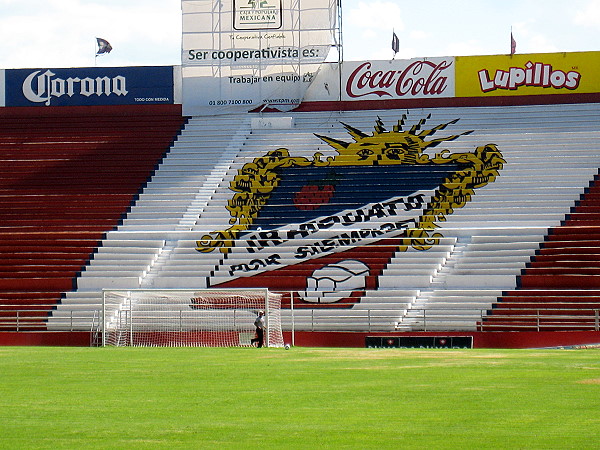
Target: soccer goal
185,317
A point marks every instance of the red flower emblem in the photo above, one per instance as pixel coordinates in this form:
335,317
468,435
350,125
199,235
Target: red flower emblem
312,196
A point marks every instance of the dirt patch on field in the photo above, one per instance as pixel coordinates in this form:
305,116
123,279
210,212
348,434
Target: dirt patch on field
590,381
404,358
371,353
374,354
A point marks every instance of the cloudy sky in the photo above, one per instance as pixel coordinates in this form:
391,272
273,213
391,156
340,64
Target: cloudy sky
61,33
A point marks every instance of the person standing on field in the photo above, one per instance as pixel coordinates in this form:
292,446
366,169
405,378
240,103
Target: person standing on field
259,323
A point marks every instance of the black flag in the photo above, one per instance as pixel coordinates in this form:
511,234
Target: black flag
103,46
513,44
395,43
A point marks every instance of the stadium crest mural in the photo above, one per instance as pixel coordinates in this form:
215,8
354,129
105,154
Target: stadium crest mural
326,227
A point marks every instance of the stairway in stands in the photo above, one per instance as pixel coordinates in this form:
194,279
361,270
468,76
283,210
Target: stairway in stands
560,288
67,176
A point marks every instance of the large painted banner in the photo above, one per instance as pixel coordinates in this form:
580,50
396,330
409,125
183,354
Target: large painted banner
331,225
240,54
90,86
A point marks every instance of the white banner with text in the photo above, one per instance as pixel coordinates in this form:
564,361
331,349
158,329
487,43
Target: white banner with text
241,54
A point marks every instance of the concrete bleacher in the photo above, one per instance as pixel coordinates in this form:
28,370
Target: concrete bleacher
114,209
552,155
568,261
67,176
159,221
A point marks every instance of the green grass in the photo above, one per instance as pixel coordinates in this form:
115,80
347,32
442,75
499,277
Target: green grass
302,398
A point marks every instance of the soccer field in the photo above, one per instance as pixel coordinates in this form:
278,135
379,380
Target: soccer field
301,398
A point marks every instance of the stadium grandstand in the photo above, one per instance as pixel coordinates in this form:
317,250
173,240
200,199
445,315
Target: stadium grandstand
390,203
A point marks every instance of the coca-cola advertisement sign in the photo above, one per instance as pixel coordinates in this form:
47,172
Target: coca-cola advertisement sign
386,80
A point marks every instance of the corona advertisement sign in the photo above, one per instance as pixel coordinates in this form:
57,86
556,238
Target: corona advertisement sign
89,86
527,74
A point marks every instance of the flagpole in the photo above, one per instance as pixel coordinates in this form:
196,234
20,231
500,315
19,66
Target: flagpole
513,43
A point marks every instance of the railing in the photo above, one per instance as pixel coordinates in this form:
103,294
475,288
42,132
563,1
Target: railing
535,319
35,319
541,319
367,320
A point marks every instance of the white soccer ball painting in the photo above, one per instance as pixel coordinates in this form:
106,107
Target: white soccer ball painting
334,282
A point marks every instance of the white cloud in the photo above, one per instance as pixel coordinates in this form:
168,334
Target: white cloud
589,15
531,40
378,15
368,29
471,47
61,33
369,33
539,43
419,35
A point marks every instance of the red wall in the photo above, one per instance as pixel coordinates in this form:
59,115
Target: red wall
513,339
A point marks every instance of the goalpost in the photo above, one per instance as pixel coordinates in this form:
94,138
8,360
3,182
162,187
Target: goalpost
189,317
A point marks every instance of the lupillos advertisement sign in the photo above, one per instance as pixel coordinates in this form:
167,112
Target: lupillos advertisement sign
528,74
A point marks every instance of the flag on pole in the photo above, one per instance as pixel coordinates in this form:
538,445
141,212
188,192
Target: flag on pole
103,46
513,44
395,43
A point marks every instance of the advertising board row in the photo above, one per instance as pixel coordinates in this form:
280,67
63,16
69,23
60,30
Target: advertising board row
240,55
424,78
90,86
458,77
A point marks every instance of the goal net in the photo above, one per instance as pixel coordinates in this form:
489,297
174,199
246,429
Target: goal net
185,317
